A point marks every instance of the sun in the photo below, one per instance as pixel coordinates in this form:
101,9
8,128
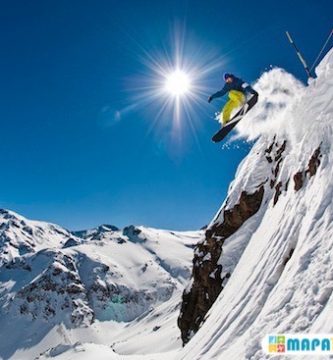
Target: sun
177,83
173,87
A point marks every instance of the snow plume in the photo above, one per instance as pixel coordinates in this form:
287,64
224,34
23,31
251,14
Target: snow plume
289,109
311,115
278,91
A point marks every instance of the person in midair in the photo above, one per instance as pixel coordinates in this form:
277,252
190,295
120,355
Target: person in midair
237,90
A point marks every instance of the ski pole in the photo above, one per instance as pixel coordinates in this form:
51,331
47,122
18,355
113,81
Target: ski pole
299,55
322,49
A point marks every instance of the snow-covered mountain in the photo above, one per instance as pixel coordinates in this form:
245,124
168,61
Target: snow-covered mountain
20,236
263,265
113,286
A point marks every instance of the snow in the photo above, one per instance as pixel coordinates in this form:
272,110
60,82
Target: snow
113,287
101,352
269,291
20,236
280,259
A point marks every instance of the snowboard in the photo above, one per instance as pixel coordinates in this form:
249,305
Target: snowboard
222,133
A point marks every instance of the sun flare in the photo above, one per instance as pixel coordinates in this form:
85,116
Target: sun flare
174,87
177,83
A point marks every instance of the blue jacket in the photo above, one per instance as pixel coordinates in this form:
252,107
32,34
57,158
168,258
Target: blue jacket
236,84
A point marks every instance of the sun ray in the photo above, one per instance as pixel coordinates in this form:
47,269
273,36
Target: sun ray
174,88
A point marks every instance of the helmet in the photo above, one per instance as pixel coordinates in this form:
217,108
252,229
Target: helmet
226,76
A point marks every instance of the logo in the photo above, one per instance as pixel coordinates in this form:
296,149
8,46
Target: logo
298,344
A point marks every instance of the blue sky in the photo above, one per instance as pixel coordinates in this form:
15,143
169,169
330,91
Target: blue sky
77,146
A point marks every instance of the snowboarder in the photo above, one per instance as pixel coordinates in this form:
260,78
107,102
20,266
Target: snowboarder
237,89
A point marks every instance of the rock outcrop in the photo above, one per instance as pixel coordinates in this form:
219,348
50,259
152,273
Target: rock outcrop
311,170
207,281
208,274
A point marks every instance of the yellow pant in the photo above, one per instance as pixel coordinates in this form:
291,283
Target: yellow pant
236,99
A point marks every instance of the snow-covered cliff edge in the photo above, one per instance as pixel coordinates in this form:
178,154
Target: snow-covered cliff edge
268,252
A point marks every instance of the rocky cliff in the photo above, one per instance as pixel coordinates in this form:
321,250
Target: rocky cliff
265,263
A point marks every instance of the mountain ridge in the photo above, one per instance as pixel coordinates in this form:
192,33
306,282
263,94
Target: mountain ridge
106,279
279,260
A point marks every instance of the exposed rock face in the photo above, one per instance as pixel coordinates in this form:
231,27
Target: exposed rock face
208,275
71,287
207,281
58,289
276,162
133,234
311,170
298,180
20,236
314,162
107,274
277,192
97,233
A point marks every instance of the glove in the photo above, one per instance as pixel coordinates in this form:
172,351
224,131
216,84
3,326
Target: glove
210,99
